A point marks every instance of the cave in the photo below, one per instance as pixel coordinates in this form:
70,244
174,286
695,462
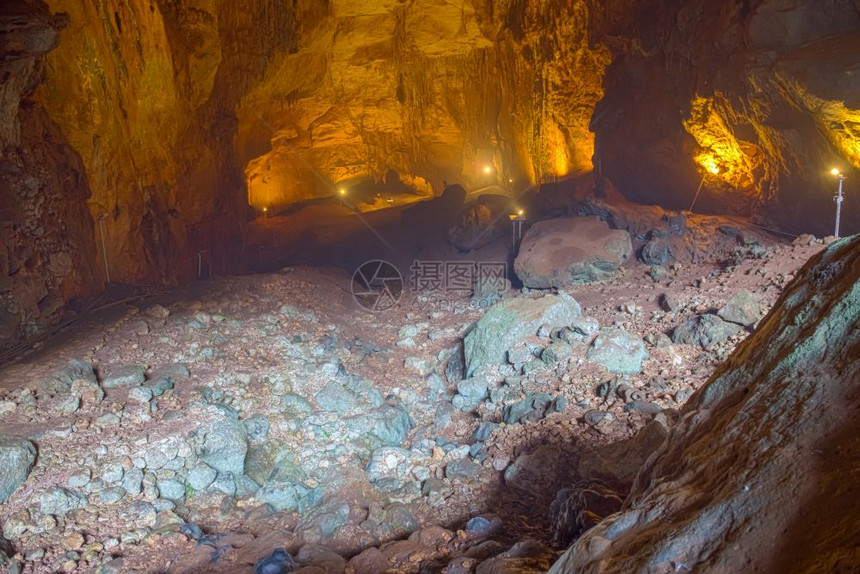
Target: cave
429,286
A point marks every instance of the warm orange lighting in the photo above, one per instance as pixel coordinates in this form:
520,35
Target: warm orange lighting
342,191
714,170
834,171
521,212
488,170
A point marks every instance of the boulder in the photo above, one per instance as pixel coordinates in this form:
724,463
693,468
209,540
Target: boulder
744,309
706,330
511,321
618,351
17,457
222,441
759,474
564,252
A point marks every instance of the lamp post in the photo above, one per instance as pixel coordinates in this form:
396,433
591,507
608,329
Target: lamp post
517,221
838,198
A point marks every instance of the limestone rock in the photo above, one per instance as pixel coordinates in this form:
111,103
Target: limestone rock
511,321
17,457
619,351
744,309
222,441
734,487
564,252
705,330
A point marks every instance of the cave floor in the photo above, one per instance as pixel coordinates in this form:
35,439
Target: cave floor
266,346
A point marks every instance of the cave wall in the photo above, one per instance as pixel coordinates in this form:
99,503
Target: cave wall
47,247
763,91
435,90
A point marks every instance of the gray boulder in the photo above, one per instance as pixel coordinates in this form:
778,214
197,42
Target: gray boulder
744,309
57,500
288,488
706,330
129,376
618,351
17,457
222,441
511,321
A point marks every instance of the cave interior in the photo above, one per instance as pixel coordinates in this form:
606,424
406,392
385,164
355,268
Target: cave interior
428,286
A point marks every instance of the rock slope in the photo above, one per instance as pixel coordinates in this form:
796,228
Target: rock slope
760,472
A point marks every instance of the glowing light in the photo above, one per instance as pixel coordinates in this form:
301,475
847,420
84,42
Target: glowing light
265,209
342,191
521,212
835,171
488,169
721,153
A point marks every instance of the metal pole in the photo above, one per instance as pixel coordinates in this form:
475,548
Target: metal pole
104,247
695,197
838,199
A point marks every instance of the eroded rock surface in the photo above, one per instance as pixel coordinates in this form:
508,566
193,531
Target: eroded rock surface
759,472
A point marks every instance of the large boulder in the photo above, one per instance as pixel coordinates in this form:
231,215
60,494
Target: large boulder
563,252
16,460
760,472
511,321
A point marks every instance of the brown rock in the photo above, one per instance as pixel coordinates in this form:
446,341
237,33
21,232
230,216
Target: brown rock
563,252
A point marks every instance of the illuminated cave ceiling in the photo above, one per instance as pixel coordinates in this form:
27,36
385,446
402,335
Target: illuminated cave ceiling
171,115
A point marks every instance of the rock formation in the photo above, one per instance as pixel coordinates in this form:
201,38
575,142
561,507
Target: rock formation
757,100
759,473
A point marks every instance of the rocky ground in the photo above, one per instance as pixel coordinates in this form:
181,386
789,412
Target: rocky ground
199,430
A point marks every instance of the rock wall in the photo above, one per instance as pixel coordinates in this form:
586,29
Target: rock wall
47,248
477,92
759,474
757,99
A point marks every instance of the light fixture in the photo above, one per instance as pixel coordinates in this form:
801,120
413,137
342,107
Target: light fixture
713,169
342,191
838,198
488,169
521,212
